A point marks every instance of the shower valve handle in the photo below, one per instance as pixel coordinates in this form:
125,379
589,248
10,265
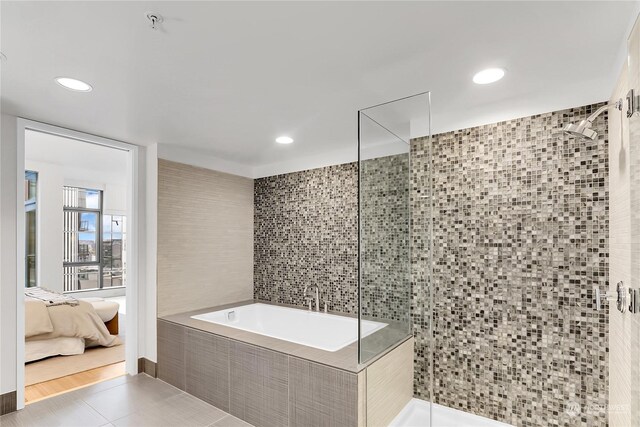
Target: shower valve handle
609,296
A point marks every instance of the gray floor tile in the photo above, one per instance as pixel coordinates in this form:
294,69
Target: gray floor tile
128,401
132,396
231,421
58,411
101,386
182,410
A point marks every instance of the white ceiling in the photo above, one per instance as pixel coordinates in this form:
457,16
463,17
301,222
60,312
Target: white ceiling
82,160
225,78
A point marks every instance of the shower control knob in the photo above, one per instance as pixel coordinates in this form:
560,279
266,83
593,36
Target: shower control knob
633,103
621,302
633,300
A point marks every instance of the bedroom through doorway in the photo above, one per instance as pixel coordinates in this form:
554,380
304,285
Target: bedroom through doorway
77,233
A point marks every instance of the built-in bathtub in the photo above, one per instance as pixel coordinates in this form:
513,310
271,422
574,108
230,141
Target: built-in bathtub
323,331
273,365
418,413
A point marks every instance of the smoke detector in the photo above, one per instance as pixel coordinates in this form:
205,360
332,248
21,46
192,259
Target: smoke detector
154,19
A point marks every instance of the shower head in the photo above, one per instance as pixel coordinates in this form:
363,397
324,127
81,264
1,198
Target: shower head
583,129
580,130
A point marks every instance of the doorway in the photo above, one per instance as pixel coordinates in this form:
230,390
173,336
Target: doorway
77,252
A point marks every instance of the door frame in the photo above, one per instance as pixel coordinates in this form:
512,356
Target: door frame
132,257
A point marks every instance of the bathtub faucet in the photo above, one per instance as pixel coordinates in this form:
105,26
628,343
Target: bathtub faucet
317,296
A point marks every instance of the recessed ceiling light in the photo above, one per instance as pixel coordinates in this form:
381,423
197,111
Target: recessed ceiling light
284,140
489,75
74,84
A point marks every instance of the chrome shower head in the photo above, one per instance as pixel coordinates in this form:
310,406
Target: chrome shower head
580,130
583,129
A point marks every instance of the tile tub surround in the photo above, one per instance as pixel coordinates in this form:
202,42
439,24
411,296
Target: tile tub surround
305,233
345,359
520,229
271,388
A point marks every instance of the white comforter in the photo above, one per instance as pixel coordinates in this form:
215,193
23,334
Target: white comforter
80,321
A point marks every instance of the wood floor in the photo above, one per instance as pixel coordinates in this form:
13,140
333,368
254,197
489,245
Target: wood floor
40,391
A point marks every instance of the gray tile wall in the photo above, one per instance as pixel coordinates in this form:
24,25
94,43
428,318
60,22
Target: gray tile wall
520,233
322,395
385,247
520,237
305,233
207,373
171,354
260,386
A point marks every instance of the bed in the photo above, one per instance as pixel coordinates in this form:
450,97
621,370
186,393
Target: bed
57,324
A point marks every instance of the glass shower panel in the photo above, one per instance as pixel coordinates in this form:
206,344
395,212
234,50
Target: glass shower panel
384,136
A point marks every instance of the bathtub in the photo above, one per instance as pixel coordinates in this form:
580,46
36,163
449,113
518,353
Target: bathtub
319,330
418,413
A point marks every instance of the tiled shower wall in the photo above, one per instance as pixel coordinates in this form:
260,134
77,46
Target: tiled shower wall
386,267
520,237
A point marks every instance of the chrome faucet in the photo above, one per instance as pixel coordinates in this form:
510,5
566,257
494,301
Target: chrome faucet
317,296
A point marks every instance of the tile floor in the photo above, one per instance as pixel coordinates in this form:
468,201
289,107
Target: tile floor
124,401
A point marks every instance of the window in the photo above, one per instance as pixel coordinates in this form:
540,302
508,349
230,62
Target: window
30,207
94,244
113,250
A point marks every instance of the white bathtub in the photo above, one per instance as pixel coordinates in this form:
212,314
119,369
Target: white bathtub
417,413
320,330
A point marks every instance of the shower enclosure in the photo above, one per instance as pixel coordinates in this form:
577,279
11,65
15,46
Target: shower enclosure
490,245
385,230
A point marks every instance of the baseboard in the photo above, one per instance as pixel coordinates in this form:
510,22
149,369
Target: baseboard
147,366
8,402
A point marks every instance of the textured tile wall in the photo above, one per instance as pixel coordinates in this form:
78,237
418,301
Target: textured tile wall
520,237
305,233
258,385
386,266
205,238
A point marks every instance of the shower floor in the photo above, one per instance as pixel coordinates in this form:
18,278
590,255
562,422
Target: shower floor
416,414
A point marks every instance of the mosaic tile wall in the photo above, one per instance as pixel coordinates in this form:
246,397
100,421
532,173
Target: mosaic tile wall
386,267
520,232
520,229
305,233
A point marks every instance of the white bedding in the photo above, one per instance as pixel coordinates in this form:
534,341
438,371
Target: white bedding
63,329
40,349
